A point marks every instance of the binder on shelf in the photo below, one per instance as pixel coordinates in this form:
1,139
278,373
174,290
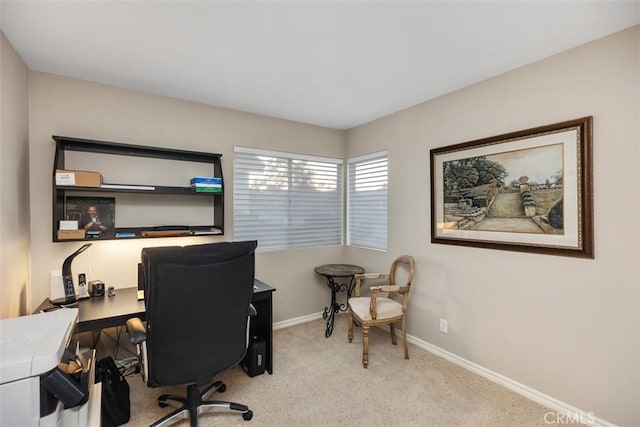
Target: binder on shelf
125,234
203,184
207,189
206,180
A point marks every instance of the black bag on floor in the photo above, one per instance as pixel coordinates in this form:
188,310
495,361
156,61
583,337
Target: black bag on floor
116,408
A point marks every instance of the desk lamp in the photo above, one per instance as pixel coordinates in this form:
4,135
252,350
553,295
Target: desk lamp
67,278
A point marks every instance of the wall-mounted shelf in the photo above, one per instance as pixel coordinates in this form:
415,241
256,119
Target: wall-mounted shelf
125,193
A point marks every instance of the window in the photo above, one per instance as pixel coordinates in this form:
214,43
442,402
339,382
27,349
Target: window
287,200
367,201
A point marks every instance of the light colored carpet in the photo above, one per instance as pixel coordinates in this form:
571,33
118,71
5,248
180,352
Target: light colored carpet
320,382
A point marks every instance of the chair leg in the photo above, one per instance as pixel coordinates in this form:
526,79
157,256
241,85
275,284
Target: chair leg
392,329
350,334
212,388
172,418
404,337
171,400
365,346
195,403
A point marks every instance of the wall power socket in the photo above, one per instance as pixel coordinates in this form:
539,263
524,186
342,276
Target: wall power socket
444,327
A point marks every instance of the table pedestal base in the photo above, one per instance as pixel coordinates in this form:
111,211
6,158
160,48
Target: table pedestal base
331,272
334,308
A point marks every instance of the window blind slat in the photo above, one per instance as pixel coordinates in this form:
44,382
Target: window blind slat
367,201
285,200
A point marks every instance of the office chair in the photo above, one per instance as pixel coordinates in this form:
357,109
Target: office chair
198,302
377,310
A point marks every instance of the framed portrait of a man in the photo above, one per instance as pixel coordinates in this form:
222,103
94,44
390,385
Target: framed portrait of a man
95,215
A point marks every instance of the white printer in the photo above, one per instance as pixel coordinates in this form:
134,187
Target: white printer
43,382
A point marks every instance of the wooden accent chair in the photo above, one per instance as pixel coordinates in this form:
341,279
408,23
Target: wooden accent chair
378,309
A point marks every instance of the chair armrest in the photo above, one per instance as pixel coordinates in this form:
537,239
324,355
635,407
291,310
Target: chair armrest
375,290
367,276
387,288
136,330
252,310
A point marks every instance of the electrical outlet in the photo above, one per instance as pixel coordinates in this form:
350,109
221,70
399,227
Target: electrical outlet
444,328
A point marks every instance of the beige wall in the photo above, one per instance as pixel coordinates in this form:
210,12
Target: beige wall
14,181
61,106
566,327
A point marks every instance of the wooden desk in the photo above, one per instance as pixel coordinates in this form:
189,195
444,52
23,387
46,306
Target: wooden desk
107,312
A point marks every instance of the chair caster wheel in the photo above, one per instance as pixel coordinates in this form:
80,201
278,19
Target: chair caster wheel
222,388
247,415
162,399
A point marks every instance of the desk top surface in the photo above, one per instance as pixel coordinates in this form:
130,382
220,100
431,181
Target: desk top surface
124,303
104,312
338,270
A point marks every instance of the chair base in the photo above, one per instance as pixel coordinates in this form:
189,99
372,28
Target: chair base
195,404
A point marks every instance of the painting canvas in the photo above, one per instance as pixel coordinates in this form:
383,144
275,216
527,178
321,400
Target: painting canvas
527,191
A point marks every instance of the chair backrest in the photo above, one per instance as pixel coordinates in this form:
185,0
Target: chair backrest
409,263
197,303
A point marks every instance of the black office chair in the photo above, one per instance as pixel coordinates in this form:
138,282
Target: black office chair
198,302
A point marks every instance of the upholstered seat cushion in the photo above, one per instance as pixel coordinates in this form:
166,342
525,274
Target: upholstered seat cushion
386,307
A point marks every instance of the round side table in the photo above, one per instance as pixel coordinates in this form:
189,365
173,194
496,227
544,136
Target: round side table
342,272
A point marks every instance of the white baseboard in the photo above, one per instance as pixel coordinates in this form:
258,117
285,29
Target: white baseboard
571,412
296,321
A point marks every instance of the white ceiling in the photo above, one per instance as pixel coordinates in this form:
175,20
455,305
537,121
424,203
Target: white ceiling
330,63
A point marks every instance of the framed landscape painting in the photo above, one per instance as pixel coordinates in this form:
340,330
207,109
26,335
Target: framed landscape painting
528,191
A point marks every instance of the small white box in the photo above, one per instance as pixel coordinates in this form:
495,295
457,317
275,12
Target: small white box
65,178
68,225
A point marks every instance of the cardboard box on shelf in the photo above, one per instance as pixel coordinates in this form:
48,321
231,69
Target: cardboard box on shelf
70,234
78,178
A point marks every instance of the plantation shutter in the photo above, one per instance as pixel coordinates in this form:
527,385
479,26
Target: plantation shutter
367,201
287,200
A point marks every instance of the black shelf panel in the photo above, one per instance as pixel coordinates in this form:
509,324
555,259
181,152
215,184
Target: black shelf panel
118,148
187,191
192,231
